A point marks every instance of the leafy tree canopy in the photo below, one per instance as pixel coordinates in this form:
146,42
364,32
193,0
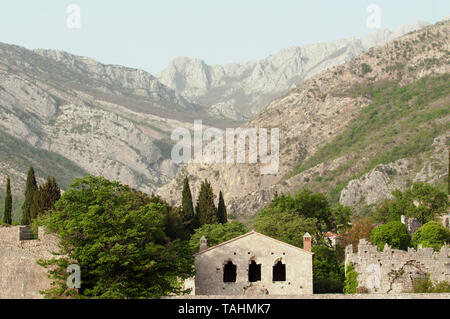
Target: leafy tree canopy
422,201
30,193
222,216
188,207
206,210
7,212
45,197
216,234
288,218
394,234
431,234
118,237
328,275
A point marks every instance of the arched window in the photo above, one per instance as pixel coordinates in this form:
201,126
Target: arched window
279,272
254,272
229,272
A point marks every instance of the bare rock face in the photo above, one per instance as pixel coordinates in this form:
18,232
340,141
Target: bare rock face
247,88
385,178
117,79
434,168
375,185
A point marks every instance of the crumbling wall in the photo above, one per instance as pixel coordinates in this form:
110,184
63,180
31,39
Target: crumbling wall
20,275
393,270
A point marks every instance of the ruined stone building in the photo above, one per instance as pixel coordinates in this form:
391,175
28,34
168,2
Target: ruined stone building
254,264
393,270
20,275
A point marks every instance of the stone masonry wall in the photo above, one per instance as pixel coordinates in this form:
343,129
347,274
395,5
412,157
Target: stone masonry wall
20,275
393,270
266,252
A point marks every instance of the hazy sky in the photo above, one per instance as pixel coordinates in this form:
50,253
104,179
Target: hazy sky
148,34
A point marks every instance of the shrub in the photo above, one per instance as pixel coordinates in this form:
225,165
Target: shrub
425,285
394,234
431,234
365,68
351,281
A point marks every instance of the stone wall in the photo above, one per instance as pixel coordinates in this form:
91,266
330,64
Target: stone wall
20,275
393,270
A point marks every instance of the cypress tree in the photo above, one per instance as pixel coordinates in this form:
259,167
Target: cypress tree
46,197
221,210
206,210
188,207
30,192
7,214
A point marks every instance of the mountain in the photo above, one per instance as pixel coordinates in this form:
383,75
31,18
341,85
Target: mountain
354,132
239,91
69,116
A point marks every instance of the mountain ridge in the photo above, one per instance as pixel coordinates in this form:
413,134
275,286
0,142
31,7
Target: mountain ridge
241,90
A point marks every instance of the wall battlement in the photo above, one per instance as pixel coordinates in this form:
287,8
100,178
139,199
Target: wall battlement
393,270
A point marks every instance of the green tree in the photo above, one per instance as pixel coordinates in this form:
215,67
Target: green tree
328,275
365,68
206,210
7,213
176,226
287,218
393,233
285,225
351,280
422,201
431,234
341,215
188,207
221,210
30,192
216,234
117,236
45,198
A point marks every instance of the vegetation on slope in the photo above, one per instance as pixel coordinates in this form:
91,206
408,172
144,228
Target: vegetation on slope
401,122
21,155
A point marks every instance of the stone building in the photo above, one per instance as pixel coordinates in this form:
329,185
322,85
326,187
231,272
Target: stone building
254,264
20,275
393,270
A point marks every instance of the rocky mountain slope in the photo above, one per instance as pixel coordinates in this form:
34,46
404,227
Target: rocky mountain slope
350,131
239,91
69,116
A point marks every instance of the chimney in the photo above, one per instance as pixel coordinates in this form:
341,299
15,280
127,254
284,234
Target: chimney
307,242
203,243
